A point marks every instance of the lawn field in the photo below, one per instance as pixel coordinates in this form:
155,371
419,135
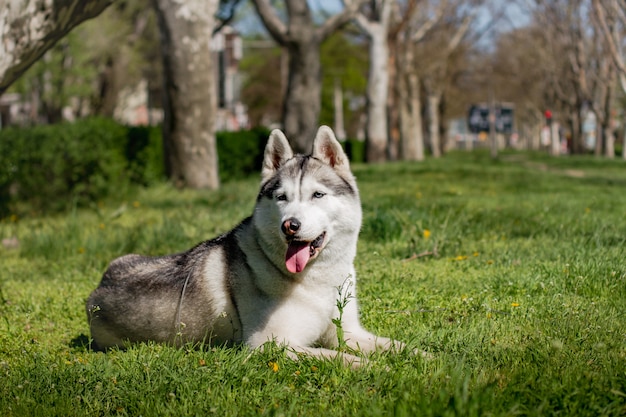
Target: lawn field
510,273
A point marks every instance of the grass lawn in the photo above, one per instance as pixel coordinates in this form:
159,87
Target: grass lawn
511,273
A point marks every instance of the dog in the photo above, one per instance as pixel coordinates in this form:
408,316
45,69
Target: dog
285,274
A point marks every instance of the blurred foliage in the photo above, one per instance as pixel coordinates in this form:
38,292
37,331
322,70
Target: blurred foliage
89,67
344,60
241,153
56,167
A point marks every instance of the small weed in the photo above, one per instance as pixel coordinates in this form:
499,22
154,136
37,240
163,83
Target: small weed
343,298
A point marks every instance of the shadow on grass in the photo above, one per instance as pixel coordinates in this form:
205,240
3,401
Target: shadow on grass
82,342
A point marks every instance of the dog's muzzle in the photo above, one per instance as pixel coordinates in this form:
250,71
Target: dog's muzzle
299,252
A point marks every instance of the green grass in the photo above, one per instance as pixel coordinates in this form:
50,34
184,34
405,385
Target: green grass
512,273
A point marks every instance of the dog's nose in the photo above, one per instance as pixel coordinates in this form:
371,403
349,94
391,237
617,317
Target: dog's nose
290,226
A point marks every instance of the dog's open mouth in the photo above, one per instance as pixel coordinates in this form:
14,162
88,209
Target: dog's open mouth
300,252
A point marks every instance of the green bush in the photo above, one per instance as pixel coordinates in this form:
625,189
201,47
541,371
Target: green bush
355,149
54,167
144,154
240,153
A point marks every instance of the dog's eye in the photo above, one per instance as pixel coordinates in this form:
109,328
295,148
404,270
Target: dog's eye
318,194
281,197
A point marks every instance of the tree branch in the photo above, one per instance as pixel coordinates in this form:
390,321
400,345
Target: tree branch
423,30
31,27
226,13
272,22
610,41
405,18
460,33
333,23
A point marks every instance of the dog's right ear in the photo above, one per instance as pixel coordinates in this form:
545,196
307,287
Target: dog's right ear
277,152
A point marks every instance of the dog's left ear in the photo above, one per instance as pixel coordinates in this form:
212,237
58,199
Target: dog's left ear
327,148
277,152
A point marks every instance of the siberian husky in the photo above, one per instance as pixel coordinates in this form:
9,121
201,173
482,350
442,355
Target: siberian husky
277,276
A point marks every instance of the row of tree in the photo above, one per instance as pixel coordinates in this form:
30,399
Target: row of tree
428,60
569,59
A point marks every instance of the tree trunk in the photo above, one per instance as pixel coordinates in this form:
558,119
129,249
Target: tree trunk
412,137
599,145
493,136
377,89
624,147
555,142
578,139
609,137
433,124
302,103
189,102
340,131
29,28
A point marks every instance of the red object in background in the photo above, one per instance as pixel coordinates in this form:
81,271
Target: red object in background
548,115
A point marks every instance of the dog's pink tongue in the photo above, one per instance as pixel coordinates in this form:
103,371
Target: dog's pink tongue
298,254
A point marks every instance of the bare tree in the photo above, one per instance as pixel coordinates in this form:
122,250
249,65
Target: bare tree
302,38
611,19
516,55
421,22
374,21
189,101
436,73
31,27
573,63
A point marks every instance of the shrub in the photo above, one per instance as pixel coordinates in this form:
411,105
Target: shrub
240,153
144,155
355,149
56,166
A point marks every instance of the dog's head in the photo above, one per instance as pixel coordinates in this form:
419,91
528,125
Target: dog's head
308,203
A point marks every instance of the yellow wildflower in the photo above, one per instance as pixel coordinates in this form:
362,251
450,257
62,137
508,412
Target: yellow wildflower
514,304
426,233
273,366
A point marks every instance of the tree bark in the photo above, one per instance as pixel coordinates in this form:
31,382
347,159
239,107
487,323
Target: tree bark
412,137
433,125
377,91
189,102
302,102
340,131
376,130
29,28
624,145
